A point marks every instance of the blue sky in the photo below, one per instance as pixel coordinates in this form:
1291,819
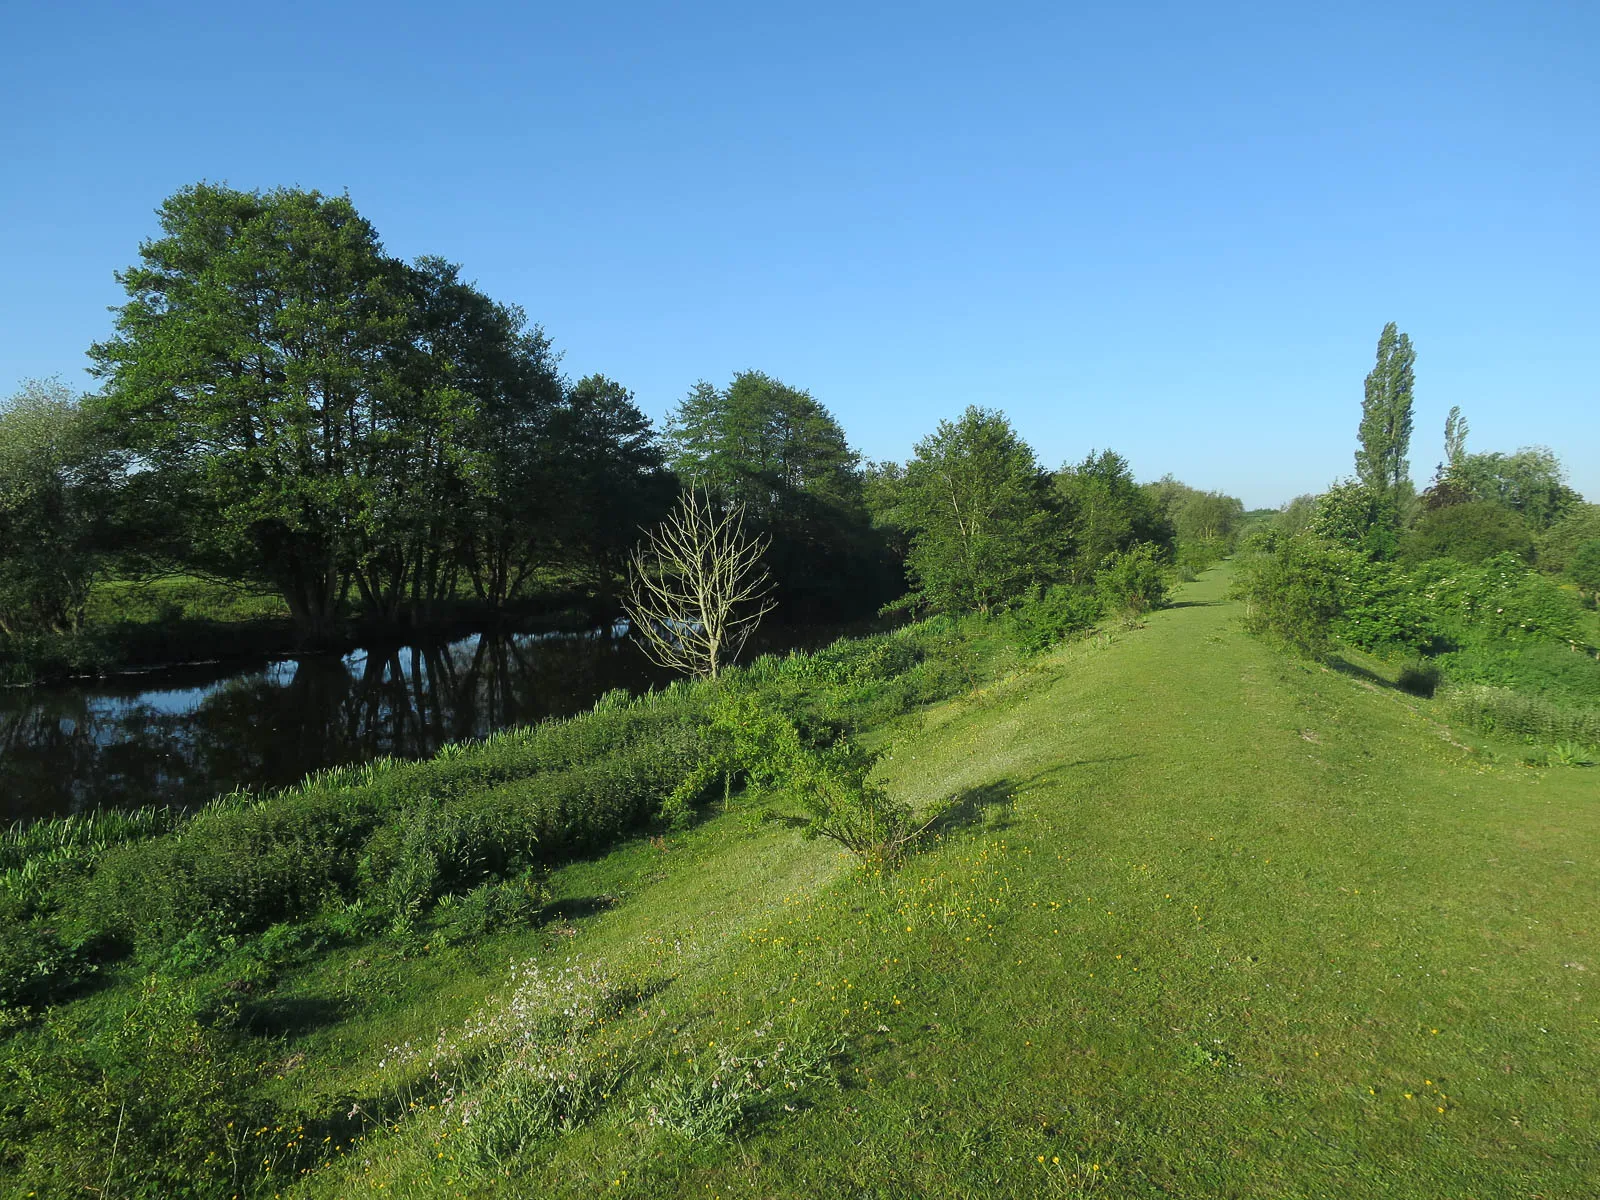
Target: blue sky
1173,229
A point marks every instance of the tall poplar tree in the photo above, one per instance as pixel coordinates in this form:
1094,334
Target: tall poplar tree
1386,414
1455,437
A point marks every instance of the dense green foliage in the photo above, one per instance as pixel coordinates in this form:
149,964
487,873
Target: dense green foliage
1530,482
985,523
1584,568
1108,514
1291,588
313,414
1472,532
1446,585
780,453
1560,542
56,488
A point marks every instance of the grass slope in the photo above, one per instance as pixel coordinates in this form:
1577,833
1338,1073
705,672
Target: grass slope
1207,922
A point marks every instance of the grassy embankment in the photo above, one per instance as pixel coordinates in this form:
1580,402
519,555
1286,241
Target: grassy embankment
1206,921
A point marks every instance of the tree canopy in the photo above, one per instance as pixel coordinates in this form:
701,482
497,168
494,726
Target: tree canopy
985,523
779,452
1107,512
56,482
1531,482
332,421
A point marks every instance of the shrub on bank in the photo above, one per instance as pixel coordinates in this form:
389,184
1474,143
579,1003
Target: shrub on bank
1053,616
1292,592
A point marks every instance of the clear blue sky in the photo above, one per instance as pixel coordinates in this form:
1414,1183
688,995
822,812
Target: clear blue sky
1174,229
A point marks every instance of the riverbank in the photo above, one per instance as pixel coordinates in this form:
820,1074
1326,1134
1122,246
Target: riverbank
177,622
1195,919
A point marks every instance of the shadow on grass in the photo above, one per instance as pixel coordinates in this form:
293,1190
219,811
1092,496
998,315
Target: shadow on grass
1192,604
988,806
289,1016
1050,774
1343,666
575,908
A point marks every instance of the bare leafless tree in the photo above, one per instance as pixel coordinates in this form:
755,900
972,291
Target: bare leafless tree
697,587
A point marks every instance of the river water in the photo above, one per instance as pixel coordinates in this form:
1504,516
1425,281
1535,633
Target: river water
186,735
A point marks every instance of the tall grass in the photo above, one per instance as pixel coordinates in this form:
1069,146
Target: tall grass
77,834
1504,711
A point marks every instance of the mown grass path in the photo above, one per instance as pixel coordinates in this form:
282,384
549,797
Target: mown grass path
1304,945
1209,922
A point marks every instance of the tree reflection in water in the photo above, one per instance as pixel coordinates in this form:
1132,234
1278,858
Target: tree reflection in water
182,738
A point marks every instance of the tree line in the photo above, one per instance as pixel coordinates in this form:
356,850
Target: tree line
1477,506
285,405
1474,585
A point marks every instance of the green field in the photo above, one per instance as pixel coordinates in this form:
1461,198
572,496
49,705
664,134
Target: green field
1205,921
1216,923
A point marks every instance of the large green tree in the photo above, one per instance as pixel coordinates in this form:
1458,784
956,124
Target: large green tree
1354,515
313,413
1385,431
488,384
612,480
779,452
765,444
985,522
1108,512
1473,532
251,367
1557,545
1530,482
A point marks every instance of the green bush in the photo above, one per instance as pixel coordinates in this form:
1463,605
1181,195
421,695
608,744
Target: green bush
1134,581
145,1108
1053,616
1495,602
491,907
1380,608
1293,592
231,870
1584,569
1473,532
1557,545
1555,670
1420,678
823,790
36,965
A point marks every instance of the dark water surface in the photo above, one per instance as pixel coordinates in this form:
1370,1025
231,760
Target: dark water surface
184,736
